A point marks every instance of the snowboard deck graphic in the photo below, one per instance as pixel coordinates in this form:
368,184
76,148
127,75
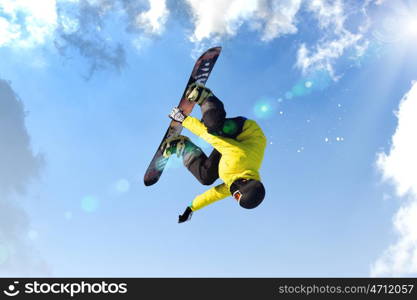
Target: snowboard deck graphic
200,74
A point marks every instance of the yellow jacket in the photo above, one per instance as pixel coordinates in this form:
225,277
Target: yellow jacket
241,157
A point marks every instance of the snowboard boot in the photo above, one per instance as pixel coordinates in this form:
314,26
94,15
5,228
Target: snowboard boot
175,144
182,146
198,93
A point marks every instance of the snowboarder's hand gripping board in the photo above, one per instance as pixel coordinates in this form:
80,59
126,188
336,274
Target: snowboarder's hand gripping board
200,74
177,115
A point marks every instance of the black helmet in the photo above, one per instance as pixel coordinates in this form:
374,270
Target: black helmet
214,120
248,192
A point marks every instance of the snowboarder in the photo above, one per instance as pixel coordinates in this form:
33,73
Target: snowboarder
238,152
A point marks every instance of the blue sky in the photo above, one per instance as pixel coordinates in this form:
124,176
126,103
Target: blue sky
85,90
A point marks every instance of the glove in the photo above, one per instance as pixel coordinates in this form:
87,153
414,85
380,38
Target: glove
186,216
198,93
177,115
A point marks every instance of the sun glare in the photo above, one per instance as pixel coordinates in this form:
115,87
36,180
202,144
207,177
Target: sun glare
412,27
408,24
395,23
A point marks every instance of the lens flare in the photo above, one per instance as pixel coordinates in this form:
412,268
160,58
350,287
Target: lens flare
265,108
319,80
288,95
122,185
299,90
89,204
68,215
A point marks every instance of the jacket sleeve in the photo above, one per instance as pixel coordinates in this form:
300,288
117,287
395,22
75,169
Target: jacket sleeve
210,196
199,129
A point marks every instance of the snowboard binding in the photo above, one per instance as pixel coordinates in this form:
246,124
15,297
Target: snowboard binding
175,144
198,93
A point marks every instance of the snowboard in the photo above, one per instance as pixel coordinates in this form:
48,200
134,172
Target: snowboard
200,74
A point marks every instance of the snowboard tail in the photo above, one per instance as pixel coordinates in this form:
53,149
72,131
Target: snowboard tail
200,74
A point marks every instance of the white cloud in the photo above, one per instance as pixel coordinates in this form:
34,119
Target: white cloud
331,18
328,13
153,21
278,17
325,53
400,167
26,23
400,164
214,19
8,31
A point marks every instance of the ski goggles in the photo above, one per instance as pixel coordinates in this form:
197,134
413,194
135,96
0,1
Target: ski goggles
237,195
